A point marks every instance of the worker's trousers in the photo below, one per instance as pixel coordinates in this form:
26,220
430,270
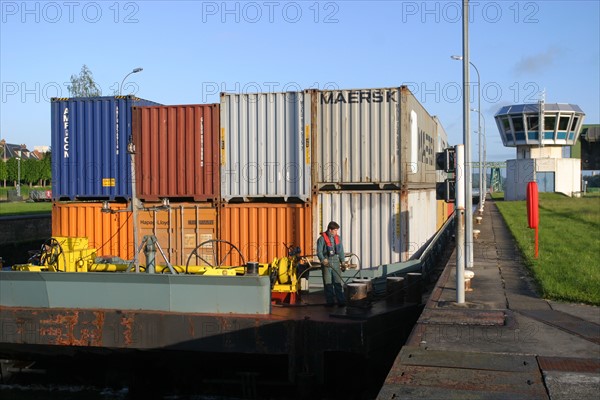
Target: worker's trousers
332,281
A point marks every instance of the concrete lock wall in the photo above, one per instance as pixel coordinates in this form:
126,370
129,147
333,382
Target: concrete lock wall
37,227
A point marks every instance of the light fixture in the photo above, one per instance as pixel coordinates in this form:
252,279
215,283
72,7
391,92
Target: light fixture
135,71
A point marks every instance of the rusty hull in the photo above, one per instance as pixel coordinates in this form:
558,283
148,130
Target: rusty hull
304,335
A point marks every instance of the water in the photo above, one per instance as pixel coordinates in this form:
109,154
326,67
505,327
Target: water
62,392
52,392
29,381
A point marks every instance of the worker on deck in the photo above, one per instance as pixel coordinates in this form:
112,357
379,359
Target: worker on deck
330,252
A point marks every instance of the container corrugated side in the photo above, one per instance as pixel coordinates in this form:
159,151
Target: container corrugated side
372,136
266,146
179,230
440,145
111,234
422,218
177,152
371,224
422,130
261,231
89,137
380,227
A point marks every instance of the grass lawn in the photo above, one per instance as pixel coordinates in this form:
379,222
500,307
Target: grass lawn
23,207
568,267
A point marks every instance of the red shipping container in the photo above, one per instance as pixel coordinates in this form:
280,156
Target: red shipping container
177,152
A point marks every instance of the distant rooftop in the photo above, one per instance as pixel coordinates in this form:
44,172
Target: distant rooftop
591,133
10,150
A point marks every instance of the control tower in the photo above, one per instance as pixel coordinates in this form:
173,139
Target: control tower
540,151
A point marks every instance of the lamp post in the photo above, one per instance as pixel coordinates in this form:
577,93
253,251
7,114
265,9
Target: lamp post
3,141
135,71
463,160
18,174
479,127
467,140
484,161
481,160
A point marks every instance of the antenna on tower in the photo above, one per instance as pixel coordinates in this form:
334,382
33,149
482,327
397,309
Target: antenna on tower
541,117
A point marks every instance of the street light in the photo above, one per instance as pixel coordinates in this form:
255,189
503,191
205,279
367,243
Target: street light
3,141
482,189
18,174
469,178
135,71
479,126
484,181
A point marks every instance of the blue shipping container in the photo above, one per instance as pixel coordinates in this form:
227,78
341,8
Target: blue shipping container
89,147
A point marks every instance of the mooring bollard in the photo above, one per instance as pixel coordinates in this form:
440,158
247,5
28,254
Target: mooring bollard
357,300
394,290
468,276
367,281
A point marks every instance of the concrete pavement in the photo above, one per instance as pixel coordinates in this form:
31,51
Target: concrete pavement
505,341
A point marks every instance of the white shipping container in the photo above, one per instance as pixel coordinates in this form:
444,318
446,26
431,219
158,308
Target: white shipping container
422,219
441,145
380,227
266,145
373,136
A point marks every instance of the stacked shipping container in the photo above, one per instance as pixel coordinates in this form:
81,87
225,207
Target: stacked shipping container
90,163
177,152
266,160
288,164
265,146
89,147
375,172
382,137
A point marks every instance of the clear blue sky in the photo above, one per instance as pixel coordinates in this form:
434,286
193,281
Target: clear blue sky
192,50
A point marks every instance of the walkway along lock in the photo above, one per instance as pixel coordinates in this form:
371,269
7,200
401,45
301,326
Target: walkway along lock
533,217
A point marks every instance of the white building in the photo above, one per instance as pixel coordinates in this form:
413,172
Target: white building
540,157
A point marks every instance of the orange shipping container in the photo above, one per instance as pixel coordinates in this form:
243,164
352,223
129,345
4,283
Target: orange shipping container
111,234
444,211
179,230
261,231
177,152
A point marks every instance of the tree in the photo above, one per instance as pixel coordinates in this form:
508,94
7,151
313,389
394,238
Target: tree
84,85
46,169
31,171
12,170
3,172
592,181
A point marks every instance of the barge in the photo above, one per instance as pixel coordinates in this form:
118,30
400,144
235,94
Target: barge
245,327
